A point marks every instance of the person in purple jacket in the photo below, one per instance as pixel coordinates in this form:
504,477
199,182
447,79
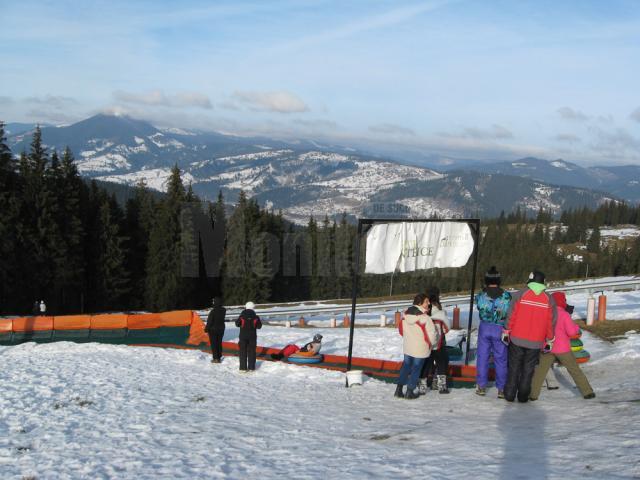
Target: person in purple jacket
493,305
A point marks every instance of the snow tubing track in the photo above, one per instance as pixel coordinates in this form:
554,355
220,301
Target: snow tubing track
184,329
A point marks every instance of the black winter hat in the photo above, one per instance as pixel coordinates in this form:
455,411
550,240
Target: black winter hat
317,337
492,277
536,276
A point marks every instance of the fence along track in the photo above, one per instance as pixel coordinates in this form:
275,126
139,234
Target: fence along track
267,312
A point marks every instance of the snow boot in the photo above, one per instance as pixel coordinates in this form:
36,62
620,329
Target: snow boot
589,396
399,393
410,395
500,393
442,384
434,382
422,386
481,391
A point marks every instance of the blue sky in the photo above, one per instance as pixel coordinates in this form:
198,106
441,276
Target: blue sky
467,79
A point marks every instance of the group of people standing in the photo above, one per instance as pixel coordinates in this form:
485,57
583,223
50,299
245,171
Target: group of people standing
524,333
426,360
248,322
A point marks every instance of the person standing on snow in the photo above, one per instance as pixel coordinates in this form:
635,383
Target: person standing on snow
493,305
249,324
215,328
439,355
561,351
43,308
418,335
532,318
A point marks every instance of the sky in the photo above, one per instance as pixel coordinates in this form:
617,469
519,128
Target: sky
450,78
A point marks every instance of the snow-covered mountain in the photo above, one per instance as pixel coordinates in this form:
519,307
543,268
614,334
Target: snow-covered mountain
302,177
620,181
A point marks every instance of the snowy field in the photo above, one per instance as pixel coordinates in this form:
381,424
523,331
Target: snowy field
102,411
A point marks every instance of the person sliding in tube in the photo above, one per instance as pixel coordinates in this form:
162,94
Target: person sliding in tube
561,351
532,319
493,304
311,348
438,361
418,335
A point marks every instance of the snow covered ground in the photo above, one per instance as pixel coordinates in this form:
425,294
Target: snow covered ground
105,411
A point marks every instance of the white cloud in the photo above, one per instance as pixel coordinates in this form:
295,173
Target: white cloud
279,102
391,129
567,138
568,113
615,144
495,132
635,115
157,98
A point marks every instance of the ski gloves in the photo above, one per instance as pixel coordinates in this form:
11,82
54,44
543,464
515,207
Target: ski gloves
548,345
505,336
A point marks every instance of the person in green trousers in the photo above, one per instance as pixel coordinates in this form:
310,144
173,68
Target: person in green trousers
561,351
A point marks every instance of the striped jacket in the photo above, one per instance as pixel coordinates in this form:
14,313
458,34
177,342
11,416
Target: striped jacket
532,318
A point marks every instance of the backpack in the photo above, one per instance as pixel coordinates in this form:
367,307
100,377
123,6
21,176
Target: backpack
493,310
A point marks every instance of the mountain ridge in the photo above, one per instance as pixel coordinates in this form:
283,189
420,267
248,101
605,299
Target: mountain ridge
305,178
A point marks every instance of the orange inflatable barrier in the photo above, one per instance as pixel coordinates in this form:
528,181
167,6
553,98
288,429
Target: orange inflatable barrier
108,322
32,324
178,318
143,321
6,325
197,335
72,322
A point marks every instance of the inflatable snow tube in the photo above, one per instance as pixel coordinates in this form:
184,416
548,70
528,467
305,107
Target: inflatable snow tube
576,345
577,335
582,356
301,358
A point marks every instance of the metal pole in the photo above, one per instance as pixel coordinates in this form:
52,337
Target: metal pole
476,228
391,287
354,294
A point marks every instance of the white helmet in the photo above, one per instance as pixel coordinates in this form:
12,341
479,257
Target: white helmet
250,306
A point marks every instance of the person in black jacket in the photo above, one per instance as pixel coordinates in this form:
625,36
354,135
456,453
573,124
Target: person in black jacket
249,323
215,329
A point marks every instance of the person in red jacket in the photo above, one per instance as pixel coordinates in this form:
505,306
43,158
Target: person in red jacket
561,351
531,320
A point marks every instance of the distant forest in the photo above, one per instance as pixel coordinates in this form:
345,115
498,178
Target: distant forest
72,244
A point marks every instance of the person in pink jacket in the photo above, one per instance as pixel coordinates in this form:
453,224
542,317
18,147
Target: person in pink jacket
561,351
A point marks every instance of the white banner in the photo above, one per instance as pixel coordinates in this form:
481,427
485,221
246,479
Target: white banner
410,246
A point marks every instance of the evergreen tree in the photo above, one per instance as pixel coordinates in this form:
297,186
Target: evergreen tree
165,285
111,274
9,224
593,244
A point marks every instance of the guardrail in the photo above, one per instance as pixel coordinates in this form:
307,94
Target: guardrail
285,312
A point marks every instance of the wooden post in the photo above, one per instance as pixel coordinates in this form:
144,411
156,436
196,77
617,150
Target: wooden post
397,318
602,308
287,323
591,310
332,322
383,320
456,318
345,321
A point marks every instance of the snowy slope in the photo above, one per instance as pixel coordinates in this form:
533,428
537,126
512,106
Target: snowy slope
102,411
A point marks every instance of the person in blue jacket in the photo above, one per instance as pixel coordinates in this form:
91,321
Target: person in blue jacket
493,305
